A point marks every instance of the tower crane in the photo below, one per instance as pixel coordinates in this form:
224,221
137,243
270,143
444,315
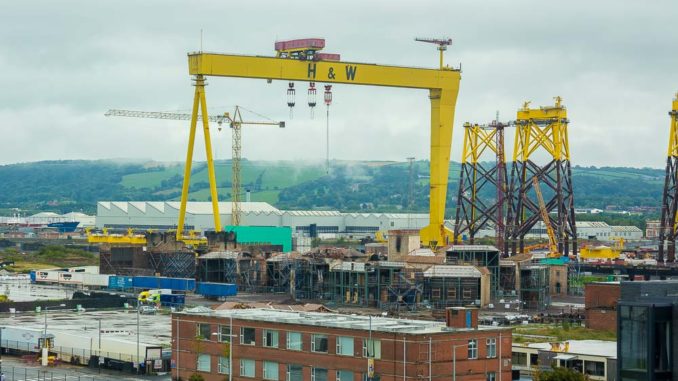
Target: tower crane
442,43
553,243
235,122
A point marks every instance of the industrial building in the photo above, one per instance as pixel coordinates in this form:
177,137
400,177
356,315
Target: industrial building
164,215
291,345
594,230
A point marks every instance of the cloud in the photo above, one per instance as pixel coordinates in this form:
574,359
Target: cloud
62,66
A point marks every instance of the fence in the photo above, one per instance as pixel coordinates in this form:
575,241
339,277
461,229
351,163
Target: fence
35,374
76,356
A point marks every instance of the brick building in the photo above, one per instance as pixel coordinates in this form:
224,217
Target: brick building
289,345
600,303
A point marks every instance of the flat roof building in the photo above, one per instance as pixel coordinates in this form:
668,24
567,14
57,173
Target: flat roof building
597,359
291,345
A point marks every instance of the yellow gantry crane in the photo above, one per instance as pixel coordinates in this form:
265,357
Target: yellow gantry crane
441,83
236,122
553,243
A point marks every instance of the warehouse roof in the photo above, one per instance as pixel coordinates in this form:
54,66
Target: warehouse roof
633,229
333,320
449,271
471,248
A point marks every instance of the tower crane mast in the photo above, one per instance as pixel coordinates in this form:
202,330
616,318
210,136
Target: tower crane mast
235,122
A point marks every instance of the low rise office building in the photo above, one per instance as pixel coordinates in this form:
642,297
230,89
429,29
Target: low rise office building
266,344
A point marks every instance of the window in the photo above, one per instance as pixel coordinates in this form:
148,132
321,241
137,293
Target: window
491,376
472,349
319,343
224,334
345,346
247,336
594,368
435,293
270,338
203,331
491,348
318,374
204,364
344,375
247,368
466,293
295,372
224,365
519,359
294,341
270,370
451,293
372,348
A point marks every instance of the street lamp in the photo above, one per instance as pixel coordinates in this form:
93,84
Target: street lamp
47,308
454,359
230,346
45,345
1,329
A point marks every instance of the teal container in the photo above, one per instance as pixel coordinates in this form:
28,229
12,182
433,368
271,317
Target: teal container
273,235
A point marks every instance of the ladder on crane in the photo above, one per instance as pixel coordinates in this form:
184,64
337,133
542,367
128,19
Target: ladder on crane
235,122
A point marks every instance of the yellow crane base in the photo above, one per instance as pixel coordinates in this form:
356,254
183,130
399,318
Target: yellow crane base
436,236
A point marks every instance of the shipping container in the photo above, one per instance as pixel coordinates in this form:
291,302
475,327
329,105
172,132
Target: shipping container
47,276
216,289
175,284
71,278
120,282
95,280
172,300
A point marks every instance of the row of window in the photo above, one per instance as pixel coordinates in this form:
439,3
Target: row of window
467,293
294,340
271,370
491,348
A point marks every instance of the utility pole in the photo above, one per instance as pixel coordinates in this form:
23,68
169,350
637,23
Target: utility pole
410,191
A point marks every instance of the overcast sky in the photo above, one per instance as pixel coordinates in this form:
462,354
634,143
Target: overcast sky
63,64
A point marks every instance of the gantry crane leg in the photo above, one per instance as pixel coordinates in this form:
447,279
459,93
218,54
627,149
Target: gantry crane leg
199,101
442,114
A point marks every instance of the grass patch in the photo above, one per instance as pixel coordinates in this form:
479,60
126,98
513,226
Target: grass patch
559,333
151,179
46,257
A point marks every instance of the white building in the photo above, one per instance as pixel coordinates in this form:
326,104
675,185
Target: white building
164,215
628,233
594,230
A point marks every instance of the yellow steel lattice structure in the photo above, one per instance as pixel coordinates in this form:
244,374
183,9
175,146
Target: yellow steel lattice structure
542,130
482,144
544,127
669,217
442,85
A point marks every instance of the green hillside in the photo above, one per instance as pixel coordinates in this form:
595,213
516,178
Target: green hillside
63,186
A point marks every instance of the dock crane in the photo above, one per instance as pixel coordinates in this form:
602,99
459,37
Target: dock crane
441,85
553,243
235,122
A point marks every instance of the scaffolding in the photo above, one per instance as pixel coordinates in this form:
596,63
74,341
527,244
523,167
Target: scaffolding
482,184
218,267
534,287
386,285
669,219
479,256
541,131
452,288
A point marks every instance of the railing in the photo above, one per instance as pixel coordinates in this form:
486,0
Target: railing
13,373
79,356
